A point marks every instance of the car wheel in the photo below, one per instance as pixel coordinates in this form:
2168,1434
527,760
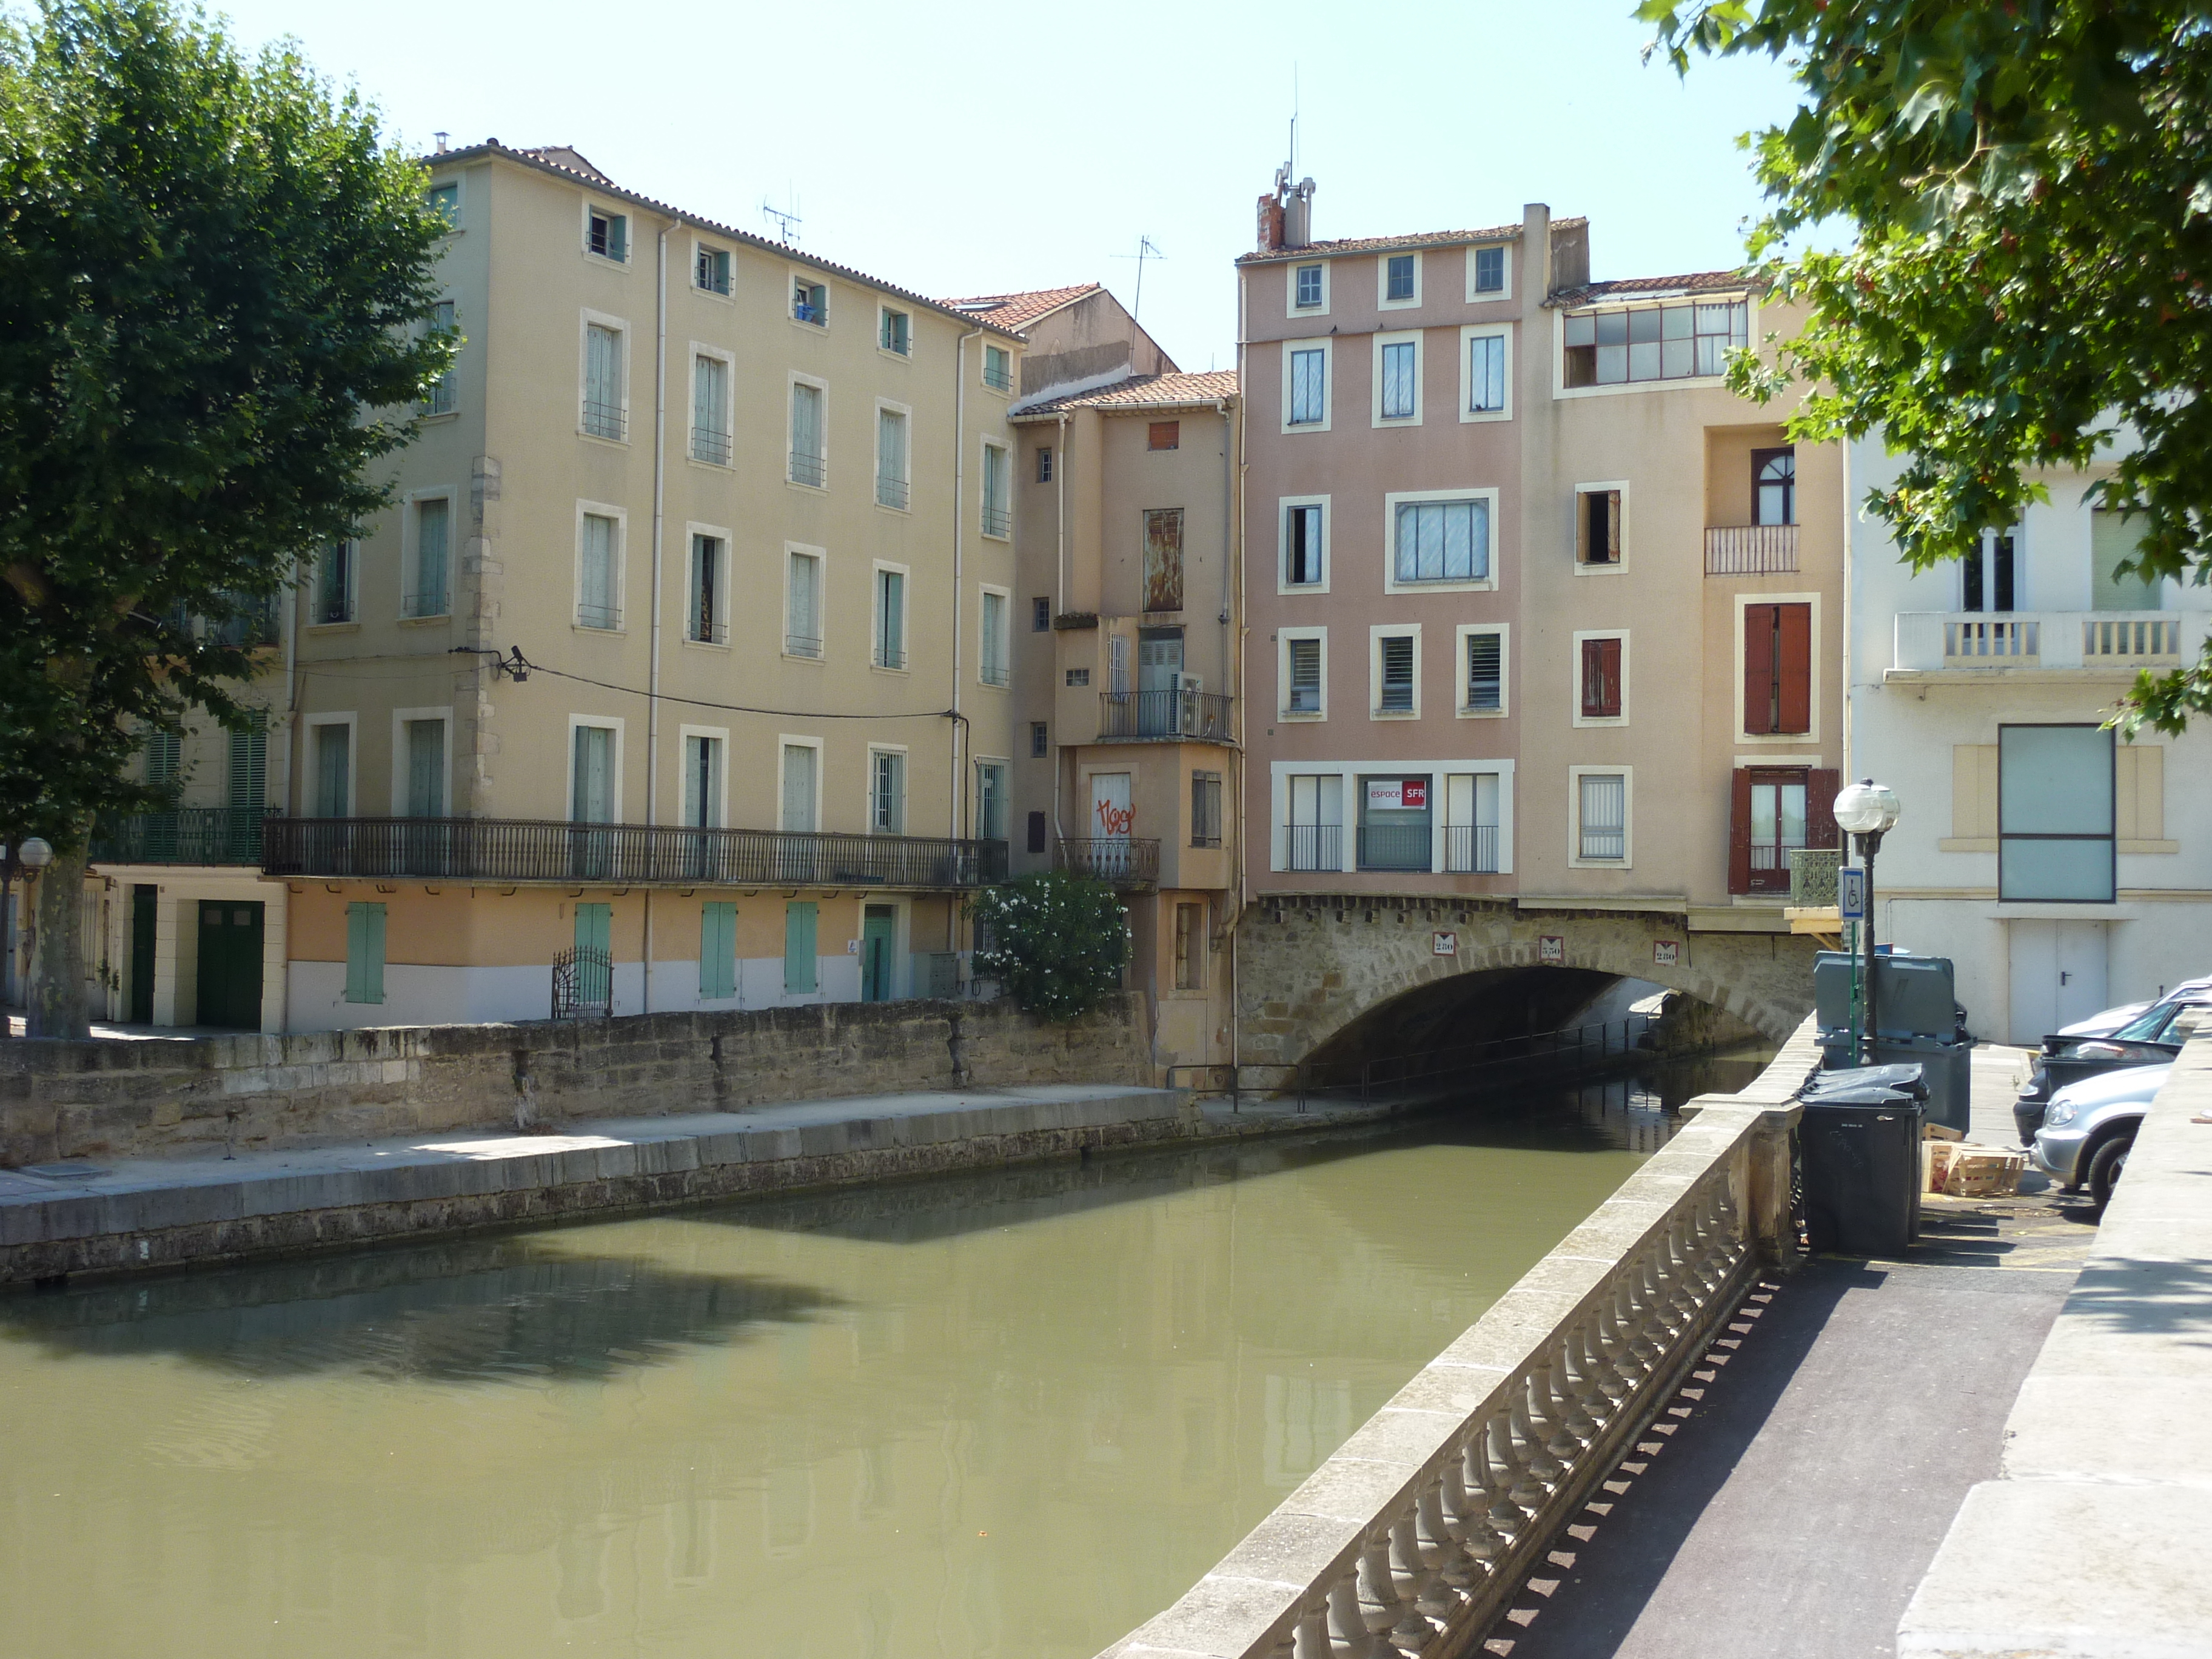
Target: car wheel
2105,1168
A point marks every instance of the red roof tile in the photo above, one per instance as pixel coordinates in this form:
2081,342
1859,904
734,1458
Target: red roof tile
1379,243
1016,311
1144,392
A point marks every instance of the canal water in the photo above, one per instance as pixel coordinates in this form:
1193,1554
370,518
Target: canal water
1004,1415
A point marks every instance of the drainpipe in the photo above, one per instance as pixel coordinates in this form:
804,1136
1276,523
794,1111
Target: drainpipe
1059,605
959,547
1244,824
291,659
659,507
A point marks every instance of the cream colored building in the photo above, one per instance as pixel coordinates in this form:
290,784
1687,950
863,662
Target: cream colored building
747,518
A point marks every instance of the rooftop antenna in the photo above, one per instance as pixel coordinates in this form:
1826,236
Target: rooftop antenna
1146,250
786,220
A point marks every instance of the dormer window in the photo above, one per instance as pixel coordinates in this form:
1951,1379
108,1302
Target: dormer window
607,235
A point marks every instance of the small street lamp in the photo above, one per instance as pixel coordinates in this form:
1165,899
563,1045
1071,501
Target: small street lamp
35,854
1867,810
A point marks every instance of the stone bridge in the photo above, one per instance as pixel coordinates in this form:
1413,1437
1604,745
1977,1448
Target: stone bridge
1330,976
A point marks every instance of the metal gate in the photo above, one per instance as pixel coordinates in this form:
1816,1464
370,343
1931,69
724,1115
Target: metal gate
583,983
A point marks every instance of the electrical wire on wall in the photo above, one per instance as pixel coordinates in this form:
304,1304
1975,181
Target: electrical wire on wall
520,667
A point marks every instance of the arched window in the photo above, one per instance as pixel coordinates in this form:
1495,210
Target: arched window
1774,486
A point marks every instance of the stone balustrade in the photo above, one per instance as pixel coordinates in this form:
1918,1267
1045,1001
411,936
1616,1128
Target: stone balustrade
1411,1538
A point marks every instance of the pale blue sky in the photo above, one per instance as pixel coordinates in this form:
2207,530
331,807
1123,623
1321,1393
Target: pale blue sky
988,148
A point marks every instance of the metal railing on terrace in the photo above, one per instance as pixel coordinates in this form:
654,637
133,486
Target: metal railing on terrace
1200,716
1471,849
1750,550
189,835
629,854
1122,861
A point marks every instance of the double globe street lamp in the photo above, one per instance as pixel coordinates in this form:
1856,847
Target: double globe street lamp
1867,812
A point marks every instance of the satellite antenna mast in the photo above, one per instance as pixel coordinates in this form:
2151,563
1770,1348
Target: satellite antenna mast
1146,249
786,220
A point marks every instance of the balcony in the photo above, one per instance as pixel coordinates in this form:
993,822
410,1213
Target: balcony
192,834
710,445
808,468
621,854
1313,846
1813,875
1981,643
1119,861
1751,549
1471,849
1175,716
891,492
1396,847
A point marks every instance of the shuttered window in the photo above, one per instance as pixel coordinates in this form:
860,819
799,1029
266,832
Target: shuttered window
890,459
596,585
717,951
1305,677
249,765
890,619
603,382
802,627
703,781
592,785
364,953
164,758
443,398
334,584
807,466
426,769
710,410
1393,691
1603,831
1601,697
1302,546
798,962
1777,668
333,771
1772,811
1597,526
995,668
1485,677
433,533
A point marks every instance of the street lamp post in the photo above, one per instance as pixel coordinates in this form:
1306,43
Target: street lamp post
1867,810
35,854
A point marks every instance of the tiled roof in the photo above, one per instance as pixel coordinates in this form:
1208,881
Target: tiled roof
1380,243
1144,392
564,162
1652,287
1014,311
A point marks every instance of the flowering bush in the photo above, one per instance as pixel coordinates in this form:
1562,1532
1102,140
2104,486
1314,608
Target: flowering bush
1056,942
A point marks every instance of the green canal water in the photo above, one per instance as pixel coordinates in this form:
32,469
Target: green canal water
963,1419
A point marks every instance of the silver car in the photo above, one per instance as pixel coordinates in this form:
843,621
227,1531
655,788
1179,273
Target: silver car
2091,1125
2112,1020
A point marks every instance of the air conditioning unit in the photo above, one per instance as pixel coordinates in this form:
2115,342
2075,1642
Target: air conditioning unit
1188,683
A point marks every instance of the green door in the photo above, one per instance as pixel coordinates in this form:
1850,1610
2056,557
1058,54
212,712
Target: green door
878,924
594,932
145,908
230,965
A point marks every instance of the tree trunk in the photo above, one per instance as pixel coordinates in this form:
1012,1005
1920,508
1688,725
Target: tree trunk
55,1000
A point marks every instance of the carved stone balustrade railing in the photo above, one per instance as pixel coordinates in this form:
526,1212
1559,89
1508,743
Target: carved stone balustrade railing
1410,1540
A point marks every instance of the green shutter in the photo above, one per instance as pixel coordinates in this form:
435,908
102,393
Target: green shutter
799,919
249,766
717,951
364,953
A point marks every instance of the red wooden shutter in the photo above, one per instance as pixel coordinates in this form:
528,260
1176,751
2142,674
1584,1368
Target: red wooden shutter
1820,786
1795,671
1609,661
1758,667
1739,879
1593,678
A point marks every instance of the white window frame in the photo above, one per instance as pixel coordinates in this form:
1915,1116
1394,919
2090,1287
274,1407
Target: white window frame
1472,332
1598,487
584,231
400,717
585,321
1504,293
1283,638
788,740
1574,677
906,614
699,243
410,548
1005,453
975,783
1283,506
884,406
868,793
1688,383
1628,858
1290,306
313,767
1005,597
729,362
1382,299
691,576
352,584
1349,772
793,381
621,517
794,274
882,311
821,557
1327,346
1741,602
1414,338
1377,633
1465,632
614,723
1391,503
721,733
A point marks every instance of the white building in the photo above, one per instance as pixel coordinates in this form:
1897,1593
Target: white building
2061,868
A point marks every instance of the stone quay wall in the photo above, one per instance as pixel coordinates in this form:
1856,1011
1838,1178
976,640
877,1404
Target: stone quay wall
191,1098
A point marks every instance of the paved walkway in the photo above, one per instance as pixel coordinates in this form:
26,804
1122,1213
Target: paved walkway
1792,1496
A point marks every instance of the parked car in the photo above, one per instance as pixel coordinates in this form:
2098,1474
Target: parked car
2112,1020
2150,1039
2091,1125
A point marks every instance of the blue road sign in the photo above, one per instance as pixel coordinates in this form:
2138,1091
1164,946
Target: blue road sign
1851,894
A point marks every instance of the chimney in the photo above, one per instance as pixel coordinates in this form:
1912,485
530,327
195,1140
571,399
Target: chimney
1297,216
1569,254
440,138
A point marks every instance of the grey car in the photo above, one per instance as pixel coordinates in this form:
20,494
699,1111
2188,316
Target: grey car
2091,1125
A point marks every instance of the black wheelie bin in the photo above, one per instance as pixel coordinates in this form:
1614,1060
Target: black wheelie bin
1859,1153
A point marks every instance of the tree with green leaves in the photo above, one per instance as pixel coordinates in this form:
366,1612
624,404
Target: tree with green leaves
1054,941
219,284
2031,186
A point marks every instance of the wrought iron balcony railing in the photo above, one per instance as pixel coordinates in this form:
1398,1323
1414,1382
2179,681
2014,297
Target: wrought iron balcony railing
710,445
190,834
1198,716
623,854
1120,860
1813,875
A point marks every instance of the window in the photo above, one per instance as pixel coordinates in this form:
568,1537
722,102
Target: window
708,620
1164,558
996,647
710,409
998,510
1394,673
810,302
364,953
1309,287
1399,373
890,619
1396,831
1303,676
1077,678
799,965
445,202
886,791
1600,678
892,483
718,952
1398,279
1440,540
1301,545
710,269
1490,270
1041,615
802,604
1777,668
1653,342
165,758
428,595
598,581
422,749
809,466
998,368
895,331
1774,486
334,584
1164,434
1309,387
592,774
443,398
1597,526
1987,579
604,415
1486,374
1040,740
1486,671
1206,809
799,806
1190,947
1472,829
703,780
1313,835
2055,815
249,765
992,806
1772,811
1601,819
1044,463
1036,832
607,235
333,779
2112,540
